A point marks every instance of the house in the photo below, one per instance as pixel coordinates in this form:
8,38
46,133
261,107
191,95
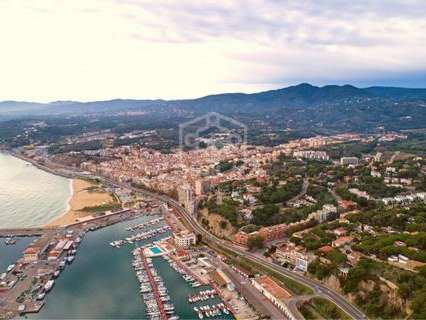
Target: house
182,255
31,254
341,241
346,204
325,249
339,231
242,237
353,258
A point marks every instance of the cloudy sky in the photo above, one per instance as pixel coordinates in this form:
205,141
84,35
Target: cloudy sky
102,49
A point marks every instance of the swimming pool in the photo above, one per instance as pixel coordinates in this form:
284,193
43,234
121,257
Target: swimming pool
155,250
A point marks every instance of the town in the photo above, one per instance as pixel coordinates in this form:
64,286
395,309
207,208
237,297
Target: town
305,206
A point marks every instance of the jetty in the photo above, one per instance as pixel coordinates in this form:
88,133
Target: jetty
163,315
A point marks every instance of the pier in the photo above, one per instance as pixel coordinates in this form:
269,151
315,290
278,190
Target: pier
220,295
188,271
163,315
24,232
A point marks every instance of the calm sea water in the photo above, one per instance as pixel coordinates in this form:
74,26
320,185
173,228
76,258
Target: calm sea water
10,254
30,197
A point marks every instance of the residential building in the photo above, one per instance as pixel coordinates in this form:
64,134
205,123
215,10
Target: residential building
294,255
341,241
202,186
273,232
185,196
312,154
184,239
345,161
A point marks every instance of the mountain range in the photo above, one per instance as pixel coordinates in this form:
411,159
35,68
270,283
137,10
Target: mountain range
303,104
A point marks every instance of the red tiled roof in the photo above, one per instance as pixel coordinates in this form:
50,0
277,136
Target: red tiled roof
272,287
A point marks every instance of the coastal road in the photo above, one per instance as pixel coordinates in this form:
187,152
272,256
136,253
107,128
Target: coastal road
316,286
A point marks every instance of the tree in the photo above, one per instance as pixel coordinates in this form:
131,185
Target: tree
255,242
199,238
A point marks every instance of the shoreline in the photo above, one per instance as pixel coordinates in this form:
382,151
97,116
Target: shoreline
79,199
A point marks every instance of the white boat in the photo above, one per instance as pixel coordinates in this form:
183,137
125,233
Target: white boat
48,286
70,259
41,296
10,267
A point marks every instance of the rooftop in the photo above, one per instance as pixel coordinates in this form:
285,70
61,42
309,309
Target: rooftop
273,288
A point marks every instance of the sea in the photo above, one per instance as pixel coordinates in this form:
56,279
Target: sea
30,197
100,283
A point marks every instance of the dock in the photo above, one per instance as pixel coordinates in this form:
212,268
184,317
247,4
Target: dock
24,232
188,271
163,315
220,295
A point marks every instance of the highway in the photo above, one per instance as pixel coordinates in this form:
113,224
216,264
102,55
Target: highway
316,286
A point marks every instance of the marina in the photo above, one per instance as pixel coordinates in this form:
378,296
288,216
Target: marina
140,236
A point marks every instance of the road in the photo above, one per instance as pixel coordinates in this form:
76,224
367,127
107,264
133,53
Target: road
316,286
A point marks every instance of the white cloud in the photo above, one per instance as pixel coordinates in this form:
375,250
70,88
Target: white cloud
89,49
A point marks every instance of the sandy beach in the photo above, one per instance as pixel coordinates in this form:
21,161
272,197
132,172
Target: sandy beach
80,199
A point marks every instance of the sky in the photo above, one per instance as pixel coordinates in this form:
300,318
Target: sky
102,49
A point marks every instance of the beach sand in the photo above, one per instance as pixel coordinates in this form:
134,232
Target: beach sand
80,199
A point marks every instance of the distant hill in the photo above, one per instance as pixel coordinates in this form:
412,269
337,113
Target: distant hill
329,107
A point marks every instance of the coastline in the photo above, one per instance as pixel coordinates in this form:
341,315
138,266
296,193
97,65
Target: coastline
79,199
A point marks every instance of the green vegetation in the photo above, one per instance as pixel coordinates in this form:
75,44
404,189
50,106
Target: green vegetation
383,246
322,308
227,209
321,194
102,208
223,166
263,216
278,194
374,300
375,187
402,219
255,242
362,202
350,149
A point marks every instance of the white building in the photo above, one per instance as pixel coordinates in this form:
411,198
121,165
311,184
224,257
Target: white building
185,239
311,154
